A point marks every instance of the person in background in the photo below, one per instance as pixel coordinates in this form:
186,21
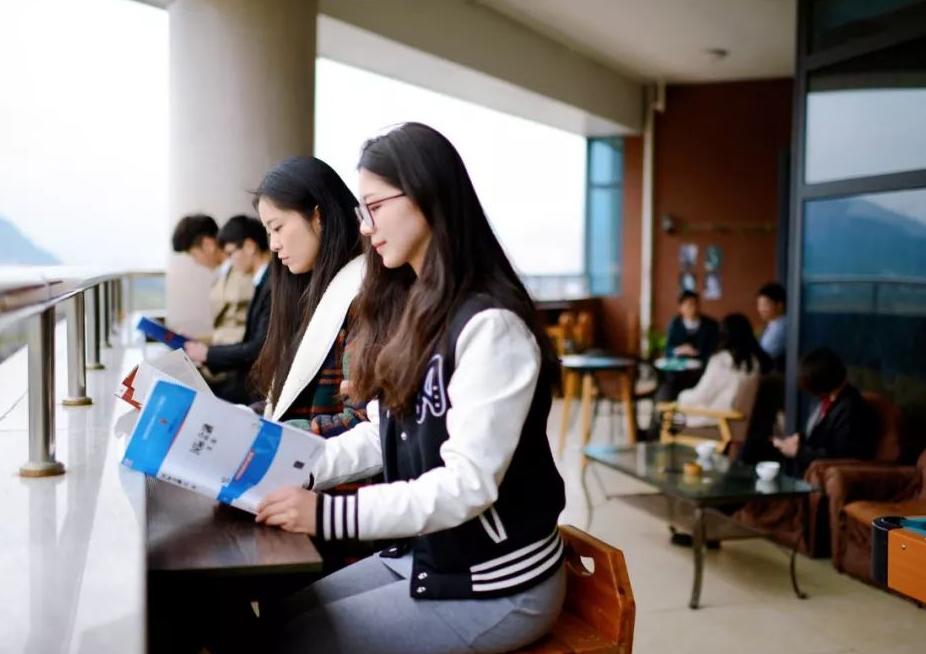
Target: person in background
770,305
691,333
841,425
231,291
244,242
732,374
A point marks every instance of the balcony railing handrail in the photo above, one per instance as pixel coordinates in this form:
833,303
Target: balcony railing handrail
27,297
34,293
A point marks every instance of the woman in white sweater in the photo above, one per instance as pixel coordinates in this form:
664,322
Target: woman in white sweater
731,378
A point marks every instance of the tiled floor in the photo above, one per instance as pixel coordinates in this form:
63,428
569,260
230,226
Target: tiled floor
747,605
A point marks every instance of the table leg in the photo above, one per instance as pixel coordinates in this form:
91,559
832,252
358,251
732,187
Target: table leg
792,564
588,390
570,380
793,568
588,497
698,549
630,415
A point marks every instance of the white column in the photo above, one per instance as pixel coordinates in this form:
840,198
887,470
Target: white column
242,82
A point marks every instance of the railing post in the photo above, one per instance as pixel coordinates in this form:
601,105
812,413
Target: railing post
129,297
93,316
107,313
42,461
77,362
117,291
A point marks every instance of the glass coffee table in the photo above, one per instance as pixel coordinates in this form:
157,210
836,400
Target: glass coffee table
720,485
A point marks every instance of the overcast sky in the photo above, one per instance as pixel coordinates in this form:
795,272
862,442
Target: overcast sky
83,128
83,139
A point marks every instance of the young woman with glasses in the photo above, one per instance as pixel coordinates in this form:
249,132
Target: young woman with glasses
448,346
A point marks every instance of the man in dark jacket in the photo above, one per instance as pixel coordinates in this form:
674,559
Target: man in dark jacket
244,241
691,333
842,424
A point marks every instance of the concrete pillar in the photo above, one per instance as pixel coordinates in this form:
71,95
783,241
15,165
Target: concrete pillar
242,83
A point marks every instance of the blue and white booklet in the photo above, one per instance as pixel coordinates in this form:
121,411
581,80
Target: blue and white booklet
221,450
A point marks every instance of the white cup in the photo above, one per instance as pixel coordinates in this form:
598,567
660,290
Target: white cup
705,449
767,470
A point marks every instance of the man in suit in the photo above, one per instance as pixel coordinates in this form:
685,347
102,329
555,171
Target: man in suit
244,241
842,425
231,291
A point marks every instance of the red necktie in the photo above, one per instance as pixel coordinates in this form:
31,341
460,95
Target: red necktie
825,405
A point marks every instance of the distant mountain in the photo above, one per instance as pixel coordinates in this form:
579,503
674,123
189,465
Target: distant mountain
15,248
852,236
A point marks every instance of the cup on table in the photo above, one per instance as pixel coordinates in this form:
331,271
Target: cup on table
767,470
705,449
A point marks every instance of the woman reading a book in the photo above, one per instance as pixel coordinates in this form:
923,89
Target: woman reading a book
315,275
448,344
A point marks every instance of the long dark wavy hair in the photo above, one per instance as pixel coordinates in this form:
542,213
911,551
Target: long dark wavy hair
302,184
737,337
401,318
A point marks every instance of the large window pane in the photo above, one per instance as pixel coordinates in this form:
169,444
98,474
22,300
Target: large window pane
604,240
603,229
834,22
864,289
605,161
865,117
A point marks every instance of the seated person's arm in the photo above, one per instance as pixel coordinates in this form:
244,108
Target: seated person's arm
675,336
243,354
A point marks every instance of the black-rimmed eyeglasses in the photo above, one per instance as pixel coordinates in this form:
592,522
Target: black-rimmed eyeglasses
365,216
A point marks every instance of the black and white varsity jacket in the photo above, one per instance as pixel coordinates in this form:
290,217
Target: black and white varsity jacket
470,488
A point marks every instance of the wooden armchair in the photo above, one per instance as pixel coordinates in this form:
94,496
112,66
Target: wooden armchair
722,432
599,612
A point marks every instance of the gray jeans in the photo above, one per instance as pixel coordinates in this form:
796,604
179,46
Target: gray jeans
367,607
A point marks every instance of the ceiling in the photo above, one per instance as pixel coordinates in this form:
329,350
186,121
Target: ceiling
669,40
664,40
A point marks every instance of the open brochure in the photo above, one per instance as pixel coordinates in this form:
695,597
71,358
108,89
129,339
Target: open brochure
158,332
174,366
221,450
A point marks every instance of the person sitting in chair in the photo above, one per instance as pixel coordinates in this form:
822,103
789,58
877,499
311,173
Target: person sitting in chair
840,426
691,333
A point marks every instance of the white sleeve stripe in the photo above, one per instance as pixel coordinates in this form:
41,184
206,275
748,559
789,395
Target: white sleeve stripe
326,516
337,506
350,517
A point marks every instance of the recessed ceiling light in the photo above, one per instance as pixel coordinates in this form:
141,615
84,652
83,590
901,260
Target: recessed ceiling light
716,53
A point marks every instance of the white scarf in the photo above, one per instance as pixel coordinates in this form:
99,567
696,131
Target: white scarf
320,334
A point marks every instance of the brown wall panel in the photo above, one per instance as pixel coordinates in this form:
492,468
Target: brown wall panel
717,148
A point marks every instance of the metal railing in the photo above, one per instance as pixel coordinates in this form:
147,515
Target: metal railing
96,302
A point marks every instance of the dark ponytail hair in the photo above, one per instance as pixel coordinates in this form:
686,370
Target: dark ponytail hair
401,318
303,184
737,337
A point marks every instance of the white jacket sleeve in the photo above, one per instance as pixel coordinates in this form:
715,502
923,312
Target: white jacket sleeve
355,454
490,393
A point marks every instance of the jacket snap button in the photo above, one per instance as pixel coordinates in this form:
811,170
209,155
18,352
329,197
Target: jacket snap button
404,436
422,575
420,589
